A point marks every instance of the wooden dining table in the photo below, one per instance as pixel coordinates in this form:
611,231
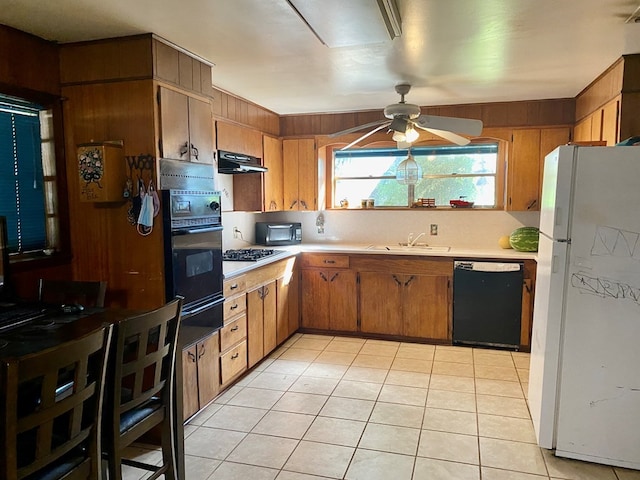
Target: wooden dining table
57,328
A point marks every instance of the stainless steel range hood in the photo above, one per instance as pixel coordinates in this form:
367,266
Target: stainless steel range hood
229,162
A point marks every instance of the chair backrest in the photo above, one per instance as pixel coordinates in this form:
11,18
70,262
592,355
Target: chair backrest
143,360
52,408
87,294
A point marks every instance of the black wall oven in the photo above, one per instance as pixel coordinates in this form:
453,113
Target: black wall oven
193,254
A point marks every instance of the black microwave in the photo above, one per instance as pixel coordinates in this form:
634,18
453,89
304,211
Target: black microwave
278,233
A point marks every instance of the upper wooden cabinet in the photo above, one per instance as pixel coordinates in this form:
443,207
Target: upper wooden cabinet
136,57
602,125
529,146
237,139
273,178
300,165
185,127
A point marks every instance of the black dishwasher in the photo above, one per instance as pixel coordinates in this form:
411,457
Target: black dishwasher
487,303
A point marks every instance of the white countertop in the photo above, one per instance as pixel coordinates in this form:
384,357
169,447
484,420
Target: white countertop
231,269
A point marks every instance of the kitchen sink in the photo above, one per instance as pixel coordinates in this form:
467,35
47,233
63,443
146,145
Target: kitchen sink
406,248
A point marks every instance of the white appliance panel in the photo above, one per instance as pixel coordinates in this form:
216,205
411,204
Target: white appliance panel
598,415
545,341
556,192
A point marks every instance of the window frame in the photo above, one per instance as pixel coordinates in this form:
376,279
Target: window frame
56,205
500,175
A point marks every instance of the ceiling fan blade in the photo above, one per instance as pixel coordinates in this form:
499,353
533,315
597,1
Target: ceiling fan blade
465,126
447,135
384,125
358,128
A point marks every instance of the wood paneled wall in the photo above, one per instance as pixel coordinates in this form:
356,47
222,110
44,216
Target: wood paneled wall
231,108
105,245
493,115
600,91
29,65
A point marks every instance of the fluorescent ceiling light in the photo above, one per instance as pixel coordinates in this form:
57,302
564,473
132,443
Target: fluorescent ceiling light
391,17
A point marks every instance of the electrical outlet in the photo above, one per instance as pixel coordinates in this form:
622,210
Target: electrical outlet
236,232
433,229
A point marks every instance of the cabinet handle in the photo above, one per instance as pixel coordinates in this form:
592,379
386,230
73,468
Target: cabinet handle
235,328
398,282
235,355
233,287
334,277
265,291
304,204
194,150
234,306
273,205
323,277
406,284
191,357
293,204
184,149
329,261
201,351
532,203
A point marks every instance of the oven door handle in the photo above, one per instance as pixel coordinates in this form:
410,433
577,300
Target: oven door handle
195,230
202,307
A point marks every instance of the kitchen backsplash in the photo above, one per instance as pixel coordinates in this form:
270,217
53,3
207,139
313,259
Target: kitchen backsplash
460,228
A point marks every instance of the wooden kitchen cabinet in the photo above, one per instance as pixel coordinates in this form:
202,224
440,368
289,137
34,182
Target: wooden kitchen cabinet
329,293
273,178
529,147
185,127
287,308
300,174
261,322
200,374
233,334
405,297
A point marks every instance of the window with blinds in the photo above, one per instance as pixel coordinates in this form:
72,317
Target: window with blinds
23,190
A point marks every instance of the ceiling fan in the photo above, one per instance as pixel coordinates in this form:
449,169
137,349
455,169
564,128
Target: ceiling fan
402,118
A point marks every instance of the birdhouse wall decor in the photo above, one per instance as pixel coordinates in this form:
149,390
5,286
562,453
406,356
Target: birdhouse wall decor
101,171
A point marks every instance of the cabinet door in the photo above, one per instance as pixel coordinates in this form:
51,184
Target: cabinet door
273,179
381,303
269,304
190,402
425,305
307,175
550,138
174,124
300,176
343,306
255,327
208,369
200,136
524,171
610,123
315,299
290,174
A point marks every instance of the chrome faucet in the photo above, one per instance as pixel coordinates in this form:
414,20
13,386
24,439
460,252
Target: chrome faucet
411,242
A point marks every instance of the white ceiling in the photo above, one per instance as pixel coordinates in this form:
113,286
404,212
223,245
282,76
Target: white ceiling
451,51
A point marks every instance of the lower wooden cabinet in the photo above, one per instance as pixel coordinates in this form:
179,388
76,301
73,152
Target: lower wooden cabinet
200,374
329,299
261,322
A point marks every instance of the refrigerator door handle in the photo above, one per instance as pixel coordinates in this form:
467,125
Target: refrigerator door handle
558,215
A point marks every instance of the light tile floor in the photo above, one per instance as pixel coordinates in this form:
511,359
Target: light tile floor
345,408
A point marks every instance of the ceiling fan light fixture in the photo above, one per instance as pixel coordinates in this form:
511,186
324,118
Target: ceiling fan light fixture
411,134
399,137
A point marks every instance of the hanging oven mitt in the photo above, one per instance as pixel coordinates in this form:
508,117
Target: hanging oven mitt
145,218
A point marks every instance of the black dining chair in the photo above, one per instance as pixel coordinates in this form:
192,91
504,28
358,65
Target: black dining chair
49,432
141,388
69,292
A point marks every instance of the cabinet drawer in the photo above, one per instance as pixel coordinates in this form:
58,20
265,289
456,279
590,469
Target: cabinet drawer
234,285
326,261
234,306
233,332
233,362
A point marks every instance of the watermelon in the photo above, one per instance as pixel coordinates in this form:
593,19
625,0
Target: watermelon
525,239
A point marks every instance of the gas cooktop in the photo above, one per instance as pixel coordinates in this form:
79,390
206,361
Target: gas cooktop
248,254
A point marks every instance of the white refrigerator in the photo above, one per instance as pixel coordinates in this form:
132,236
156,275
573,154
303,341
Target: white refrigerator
584,381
